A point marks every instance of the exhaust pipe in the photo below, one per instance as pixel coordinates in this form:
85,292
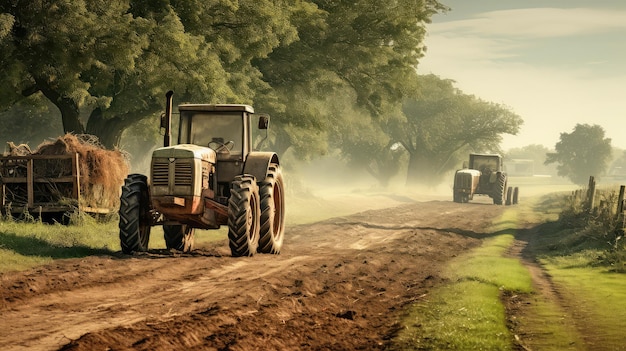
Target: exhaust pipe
166,120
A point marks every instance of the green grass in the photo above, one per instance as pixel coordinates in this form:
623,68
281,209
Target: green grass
25,245
574,255
598,295
466,314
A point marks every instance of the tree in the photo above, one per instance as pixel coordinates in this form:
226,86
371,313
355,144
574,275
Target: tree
365,50
582,153
442,125
107,64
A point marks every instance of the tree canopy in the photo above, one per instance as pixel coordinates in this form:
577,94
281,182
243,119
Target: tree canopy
107,64
333,74
437,126
442,125
582,153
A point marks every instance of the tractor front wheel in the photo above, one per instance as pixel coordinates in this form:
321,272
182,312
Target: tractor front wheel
243,216
272,205
135,220
179,237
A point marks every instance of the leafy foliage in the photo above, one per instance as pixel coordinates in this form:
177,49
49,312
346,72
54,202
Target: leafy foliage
442,124
106,65
582,153
333,74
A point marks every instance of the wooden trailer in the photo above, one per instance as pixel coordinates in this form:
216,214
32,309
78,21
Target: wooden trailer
44,186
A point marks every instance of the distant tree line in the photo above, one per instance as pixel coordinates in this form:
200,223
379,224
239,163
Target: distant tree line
334,75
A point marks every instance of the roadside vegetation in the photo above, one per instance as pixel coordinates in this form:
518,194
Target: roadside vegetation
583,253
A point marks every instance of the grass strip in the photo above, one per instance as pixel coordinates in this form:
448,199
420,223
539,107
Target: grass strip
467,313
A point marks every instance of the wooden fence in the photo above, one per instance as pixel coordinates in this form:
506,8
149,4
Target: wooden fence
592,204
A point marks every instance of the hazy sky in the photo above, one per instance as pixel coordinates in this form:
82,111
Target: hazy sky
555,63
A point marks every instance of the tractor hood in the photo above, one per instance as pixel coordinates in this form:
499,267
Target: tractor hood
473,172
186,151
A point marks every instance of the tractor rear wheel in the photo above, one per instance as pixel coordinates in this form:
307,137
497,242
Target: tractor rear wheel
509,191
272,219
499,189
179,237
134,214
243,216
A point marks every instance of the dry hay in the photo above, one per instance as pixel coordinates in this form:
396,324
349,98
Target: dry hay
18,150
102,172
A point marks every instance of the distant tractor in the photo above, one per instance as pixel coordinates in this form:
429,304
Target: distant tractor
484,176
213,177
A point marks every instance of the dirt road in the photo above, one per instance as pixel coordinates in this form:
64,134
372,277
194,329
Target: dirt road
339,284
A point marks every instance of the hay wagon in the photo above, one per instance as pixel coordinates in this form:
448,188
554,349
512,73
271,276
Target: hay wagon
44,186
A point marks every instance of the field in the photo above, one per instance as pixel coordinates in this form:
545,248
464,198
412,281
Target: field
359,270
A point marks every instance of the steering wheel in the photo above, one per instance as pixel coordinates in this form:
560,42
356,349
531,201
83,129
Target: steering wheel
220,146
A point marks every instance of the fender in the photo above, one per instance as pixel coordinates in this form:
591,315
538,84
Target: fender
257,164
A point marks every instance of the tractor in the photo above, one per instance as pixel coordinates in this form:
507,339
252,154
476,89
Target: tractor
212,177
484,176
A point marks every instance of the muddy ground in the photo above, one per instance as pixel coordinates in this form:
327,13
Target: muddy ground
339,284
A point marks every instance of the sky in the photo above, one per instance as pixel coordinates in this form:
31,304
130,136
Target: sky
556,63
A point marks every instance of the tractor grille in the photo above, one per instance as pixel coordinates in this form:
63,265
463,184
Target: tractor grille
160,172
183,173
463,181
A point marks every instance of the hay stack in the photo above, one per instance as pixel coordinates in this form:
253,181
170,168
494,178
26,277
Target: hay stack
102,172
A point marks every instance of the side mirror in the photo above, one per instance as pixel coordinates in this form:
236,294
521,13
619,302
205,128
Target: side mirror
264,121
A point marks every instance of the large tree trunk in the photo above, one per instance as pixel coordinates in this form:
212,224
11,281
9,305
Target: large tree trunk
414,169
108,130
70,112
422,171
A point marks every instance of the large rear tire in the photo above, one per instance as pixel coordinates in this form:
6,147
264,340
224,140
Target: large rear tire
509,191
243,216
272,205
179,237
500,190
135,220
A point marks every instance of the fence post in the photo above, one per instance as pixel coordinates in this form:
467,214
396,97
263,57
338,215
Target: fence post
620,202
591,193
